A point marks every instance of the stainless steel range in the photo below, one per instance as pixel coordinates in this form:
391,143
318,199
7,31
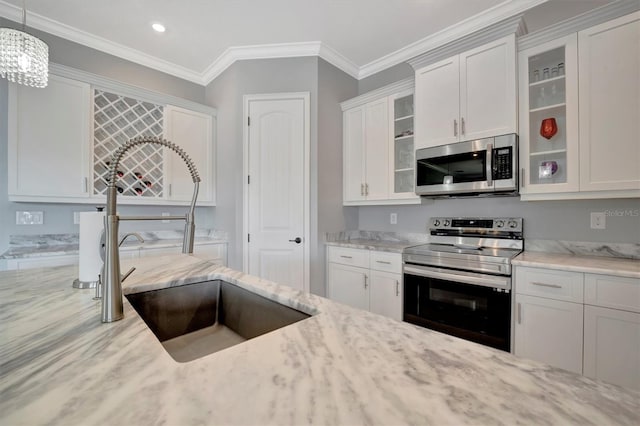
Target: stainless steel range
460,283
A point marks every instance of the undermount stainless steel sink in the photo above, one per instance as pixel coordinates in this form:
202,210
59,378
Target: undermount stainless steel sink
195,320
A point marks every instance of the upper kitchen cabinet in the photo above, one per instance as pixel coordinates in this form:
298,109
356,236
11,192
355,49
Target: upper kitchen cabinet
378,151
468,96
49,149
549,117
62,139
193,131
579,109
609,64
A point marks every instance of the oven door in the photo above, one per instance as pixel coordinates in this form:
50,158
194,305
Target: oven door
472,306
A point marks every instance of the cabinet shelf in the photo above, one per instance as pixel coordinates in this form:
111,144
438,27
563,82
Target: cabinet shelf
545,108
551,152
408,169
399,138
545,81
403,118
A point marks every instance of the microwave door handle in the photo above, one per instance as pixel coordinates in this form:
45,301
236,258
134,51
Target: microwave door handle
489,165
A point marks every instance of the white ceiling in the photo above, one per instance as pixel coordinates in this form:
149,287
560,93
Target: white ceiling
203,37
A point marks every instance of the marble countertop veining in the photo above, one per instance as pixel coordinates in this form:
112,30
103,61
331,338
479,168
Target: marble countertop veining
590,264
60,365
378,245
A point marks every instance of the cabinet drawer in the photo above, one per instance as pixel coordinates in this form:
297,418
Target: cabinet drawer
386,262
612,292
349,256
558,285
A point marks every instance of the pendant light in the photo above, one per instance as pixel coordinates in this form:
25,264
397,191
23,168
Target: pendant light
24,59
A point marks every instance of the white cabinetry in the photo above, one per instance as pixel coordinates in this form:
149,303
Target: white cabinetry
609,64
193,132
612,329
468,96
49,148
582,322
53,157
549,317
366,279
378,147
588,83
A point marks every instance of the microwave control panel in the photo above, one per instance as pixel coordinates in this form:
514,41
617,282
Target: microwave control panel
502,167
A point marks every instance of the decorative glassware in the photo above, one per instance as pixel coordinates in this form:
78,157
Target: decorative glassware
545,73
561,68
548,128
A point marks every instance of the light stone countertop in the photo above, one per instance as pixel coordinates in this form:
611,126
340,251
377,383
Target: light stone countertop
591,264
342,366
378,245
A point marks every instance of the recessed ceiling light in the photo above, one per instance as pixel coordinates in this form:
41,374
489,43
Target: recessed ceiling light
158,27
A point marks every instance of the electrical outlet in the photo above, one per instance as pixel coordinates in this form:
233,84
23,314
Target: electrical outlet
76,218
393,218
598,220
166,214
29,218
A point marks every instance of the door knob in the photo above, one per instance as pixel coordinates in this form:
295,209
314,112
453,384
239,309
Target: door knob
298,240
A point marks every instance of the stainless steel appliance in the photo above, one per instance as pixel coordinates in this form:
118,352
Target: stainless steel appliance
479,167
460,283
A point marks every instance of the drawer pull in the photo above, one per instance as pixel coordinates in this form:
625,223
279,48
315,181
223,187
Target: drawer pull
397,288
519,313
384,262
365,282
346,257
546,285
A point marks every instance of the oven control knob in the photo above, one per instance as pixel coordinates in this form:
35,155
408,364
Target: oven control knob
447,222
436,222
513,224
500,224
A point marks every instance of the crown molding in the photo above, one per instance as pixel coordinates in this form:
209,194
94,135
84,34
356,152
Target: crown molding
588,19
489,17
514,25
280,50
105,83
390,89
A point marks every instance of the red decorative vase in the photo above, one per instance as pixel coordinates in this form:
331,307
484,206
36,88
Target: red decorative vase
548,128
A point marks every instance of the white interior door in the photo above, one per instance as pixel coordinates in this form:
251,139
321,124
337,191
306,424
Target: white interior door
277,185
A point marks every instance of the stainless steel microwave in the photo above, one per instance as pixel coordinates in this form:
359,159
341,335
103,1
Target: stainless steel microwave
478,167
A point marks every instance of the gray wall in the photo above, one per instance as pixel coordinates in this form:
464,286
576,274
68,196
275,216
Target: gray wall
334,86
388,76
554,220
58,218
226,93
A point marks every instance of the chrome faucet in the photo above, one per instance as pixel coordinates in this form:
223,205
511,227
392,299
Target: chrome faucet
112,306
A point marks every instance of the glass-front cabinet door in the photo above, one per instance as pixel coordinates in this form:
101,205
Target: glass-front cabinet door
402,146
549,117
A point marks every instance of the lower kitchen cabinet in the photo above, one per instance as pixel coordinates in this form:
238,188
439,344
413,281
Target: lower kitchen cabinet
366,279
550,331
612,346
582,322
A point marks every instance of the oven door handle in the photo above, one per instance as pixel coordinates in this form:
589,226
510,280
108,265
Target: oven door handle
503,283
489,169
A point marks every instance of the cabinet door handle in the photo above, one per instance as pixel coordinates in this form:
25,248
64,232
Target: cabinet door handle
462,125
522,177
346,257
546,285
169,190
365,281
362,189
519,313
397,288
85,185
366,189
455,127
384,262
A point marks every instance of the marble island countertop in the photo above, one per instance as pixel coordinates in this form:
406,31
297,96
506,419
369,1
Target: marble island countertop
60,365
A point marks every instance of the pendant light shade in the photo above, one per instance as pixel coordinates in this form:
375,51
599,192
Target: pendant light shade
24,59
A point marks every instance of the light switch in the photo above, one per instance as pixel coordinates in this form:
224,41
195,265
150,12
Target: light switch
76,218
393,218
29,218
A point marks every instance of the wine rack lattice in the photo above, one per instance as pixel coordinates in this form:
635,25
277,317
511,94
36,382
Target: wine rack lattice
118,119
